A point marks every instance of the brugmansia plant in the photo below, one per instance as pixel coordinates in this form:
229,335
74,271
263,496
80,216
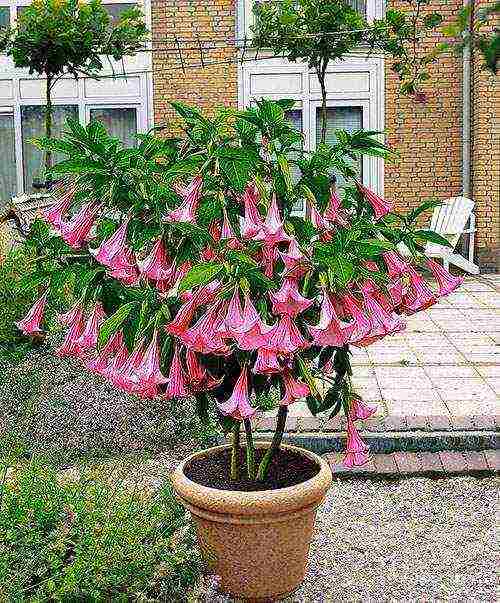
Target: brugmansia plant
197,277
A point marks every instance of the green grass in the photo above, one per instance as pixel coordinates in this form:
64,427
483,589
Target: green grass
104,533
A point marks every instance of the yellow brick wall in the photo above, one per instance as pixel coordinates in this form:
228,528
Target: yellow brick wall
428,137
212,21
486,161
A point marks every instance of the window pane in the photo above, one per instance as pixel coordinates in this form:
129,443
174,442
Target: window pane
4,16
339,118
8,155
358,5
33,126
119,122
115,10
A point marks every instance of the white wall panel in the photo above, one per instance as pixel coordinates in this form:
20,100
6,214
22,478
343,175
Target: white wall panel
338,82
6,90
109,87
276,83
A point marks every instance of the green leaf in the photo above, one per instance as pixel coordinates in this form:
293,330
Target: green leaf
423,207
113,323
308,378
433,237
236,164
201,274
342,269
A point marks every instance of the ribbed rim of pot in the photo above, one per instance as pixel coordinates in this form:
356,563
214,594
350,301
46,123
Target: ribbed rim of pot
283,500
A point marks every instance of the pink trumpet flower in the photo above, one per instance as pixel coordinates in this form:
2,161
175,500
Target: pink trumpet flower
76,232
227,233
267,362
356,450
269,256
446,281
101,360
199,378
88,338
395,290
70,345
118,361
272,232
126,378
419,296
371,266
176,387
205,336
293,260
190,195
31,323
156,265
238,405
234,317
69,317
252,333
54,215
315,217
179,325
333,212
396,266
127,275
383,322
380,206
288,300
329,331
285,337
113,248
252,221
149,369
359,410
358,330
294,389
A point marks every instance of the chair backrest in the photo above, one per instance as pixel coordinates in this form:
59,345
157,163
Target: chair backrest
450,219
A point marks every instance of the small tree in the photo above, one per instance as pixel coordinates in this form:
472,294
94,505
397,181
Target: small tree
54,38
290,28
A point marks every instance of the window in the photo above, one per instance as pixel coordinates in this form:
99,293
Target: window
8,155
119,122
33,126
339,118
4,16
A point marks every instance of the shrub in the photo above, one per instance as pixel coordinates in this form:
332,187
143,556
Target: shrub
98,536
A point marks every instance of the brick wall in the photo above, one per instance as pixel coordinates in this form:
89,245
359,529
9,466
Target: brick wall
428,136
486,161
211,21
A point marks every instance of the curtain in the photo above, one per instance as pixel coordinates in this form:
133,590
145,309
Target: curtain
119,122
340,118
4,16
7,157
33,126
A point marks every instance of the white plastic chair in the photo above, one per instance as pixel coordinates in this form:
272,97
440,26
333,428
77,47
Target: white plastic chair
450,220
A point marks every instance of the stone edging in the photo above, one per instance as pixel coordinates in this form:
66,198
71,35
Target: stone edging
420,464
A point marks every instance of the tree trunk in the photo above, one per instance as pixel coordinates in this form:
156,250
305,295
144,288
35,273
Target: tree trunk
48,123
323,108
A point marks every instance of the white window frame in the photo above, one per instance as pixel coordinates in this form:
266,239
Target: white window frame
143,101
374,10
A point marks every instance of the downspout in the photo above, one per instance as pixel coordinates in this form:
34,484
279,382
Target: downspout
466,113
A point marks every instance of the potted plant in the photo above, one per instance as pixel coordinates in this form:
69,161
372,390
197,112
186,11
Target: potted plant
195,276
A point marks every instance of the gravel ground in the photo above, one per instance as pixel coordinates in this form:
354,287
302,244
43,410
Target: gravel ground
414,540
55,407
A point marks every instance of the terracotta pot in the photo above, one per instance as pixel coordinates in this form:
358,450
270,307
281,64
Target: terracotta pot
257,542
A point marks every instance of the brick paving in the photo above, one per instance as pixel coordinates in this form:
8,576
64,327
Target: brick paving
424,464
441,374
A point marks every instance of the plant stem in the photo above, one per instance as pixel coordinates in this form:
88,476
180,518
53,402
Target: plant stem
48,121
275,444
321,77
250,450
235,453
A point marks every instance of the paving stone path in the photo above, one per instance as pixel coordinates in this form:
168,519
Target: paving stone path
441,374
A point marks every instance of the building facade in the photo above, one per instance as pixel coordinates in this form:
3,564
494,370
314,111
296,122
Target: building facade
194,58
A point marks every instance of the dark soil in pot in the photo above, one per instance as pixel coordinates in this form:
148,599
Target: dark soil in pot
288,468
